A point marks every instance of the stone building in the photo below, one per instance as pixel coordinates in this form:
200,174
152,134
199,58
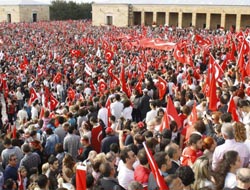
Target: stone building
23,11
210,14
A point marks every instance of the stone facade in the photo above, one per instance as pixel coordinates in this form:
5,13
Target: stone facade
209,16
24,13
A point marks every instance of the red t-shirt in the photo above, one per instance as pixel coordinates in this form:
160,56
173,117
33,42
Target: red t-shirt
189,156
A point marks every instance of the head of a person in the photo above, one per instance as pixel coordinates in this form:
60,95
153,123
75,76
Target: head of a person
142,157
209,143
186,174
53,163
12,160
135,185
200,126
226,118
42,181
26,148
239,132
201,169
243,178
10,184
127,156
195,140
173,150
174,182
107,169
227,131
163,161
68,161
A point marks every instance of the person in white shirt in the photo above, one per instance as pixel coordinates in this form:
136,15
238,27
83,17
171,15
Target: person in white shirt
116,107
152,113
127,111
103,113
126,172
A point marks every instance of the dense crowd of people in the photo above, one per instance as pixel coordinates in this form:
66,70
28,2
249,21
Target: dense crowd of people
118,100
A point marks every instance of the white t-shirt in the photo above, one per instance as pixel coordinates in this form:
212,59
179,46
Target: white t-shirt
125,176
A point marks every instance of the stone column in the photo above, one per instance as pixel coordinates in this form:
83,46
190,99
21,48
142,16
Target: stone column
223,20
194,19
167,18
142,18
208,17
180,19
238,22
154,17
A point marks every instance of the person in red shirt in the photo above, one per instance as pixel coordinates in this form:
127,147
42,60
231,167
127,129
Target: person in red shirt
192,151
142,171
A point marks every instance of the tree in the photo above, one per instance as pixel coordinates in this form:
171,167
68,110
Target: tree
61,10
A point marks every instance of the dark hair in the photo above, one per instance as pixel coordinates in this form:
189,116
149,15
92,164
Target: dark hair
42,180
200,126
8,184
124,154
194,138
7,141
142,157
89,180
226,117
105,169
160,158
186,175
59,148
52,159
26,148
223,167
114,147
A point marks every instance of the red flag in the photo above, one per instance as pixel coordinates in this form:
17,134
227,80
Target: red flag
102,85
232,109
39,71
193,116
123,81
155,170
241,63
41,115
23,66
46,96
88,69
81,178
75,53
164,122
14,132
172,112
107,105
57,78
105,45
248,67
162,87
109,55
33,96
178,55
202,41
71,94
53,102
212,92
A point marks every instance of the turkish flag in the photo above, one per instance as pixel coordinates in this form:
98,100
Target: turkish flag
57,79
138,86
39,71
75,53
71,94
172,112
240,36
23,66
88,70
164,122
155,169
102,85
162,87
241,63
53,102
123,81
33,96
178,55
212,92
248,67
233,110
109,55
202,41
81,177
105,44
46,96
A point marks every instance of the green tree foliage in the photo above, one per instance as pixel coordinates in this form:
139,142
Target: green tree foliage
61,10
